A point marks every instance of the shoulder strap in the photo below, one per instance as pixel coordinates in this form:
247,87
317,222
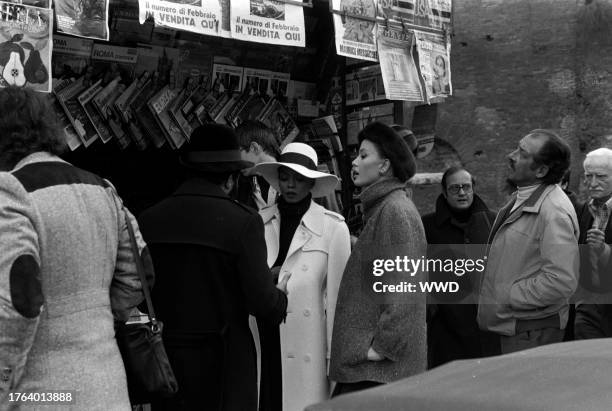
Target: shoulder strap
140,269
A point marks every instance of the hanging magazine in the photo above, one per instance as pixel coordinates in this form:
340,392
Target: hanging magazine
355,37
83,18
276,117
399,73
25,46
434,61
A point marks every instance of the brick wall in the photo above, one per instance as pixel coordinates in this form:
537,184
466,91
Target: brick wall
524,64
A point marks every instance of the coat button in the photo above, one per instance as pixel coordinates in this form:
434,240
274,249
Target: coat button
6,373
307,358
306,313
304,267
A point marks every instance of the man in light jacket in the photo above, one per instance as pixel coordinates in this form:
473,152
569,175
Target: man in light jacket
533,258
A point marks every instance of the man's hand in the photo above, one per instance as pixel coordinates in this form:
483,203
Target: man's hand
596,238
282,285
374,356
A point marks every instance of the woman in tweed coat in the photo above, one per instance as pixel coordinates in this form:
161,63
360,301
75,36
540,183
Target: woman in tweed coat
380,337
66,268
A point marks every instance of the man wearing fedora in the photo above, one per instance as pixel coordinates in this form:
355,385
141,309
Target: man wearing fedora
210,254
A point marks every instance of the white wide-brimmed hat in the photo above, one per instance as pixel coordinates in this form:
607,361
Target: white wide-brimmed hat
302,159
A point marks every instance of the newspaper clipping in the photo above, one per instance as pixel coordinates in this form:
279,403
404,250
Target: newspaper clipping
198,16
434,61
356,37
25,46
399,73
268,21
85,18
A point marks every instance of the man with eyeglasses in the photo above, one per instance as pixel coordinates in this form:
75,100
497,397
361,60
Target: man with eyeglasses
593,312
533,258
457,230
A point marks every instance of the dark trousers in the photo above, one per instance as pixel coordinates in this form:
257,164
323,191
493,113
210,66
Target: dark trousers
593,321
271,381
349,387
530,339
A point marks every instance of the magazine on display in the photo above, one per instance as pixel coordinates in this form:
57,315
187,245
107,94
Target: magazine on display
68,98
72,139
103,101
111,61
275,116
159,105
226,77
279,85
257,80
195,61
175,112
70,57
85,18
140,113
25,46
86,101
163,60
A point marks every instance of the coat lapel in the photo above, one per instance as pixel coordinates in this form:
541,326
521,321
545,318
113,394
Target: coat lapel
311,224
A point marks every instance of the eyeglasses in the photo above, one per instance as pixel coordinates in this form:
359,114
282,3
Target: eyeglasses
456,188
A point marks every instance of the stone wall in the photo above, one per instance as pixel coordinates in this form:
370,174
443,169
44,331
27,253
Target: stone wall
519,65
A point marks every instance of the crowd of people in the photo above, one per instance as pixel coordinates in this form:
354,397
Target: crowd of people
266,301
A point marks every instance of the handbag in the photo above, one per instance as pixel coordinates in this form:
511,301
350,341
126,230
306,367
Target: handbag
148,370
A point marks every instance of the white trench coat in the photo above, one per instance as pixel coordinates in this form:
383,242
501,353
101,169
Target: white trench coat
316,258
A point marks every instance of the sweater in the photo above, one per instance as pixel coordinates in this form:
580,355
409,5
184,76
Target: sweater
392,323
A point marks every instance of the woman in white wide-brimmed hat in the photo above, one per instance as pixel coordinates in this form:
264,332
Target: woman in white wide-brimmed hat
311,244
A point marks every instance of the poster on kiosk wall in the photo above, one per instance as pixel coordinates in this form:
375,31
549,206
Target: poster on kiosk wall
355,36
25,46
86,18
268,21
198,16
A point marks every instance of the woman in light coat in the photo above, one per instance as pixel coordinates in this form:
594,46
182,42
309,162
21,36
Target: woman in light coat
310,244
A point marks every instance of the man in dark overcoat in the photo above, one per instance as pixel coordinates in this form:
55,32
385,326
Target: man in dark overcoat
457,230
211,256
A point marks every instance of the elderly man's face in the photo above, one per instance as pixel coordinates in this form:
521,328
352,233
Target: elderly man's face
598,180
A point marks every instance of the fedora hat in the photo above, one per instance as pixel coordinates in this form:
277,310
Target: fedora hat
302,159
213,148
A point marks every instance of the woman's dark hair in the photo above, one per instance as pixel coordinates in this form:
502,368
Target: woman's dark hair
555,153
255,131
28,124
391,146
452,170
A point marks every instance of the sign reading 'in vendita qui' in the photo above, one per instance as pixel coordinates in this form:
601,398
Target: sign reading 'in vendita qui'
268,21
198,16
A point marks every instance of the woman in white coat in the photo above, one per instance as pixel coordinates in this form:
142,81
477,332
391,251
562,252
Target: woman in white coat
310,244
